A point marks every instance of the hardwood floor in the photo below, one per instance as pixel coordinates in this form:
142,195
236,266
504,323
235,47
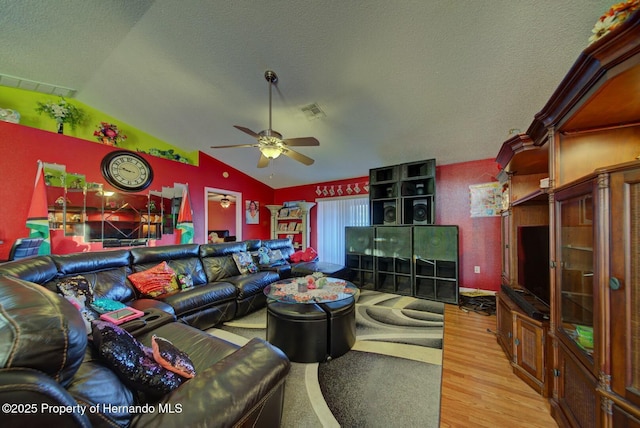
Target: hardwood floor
479,388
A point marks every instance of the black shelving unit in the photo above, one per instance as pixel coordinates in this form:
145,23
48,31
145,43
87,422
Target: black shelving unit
359,255
393,259
419,261
435,253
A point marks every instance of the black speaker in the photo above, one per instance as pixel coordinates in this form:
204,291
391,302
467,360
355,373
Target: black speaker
389,213
421,212
436,242
394,241
359,240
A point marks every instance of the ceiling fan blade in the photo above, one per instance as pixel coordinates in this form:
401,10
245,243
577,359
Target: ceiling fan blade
303,141
298,156
263,161
247,131
234,145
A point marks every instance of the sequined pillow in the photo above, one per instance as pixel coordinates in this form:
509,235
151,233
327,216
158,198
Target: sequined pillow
156,281
244,262
171,358
132,361
78,291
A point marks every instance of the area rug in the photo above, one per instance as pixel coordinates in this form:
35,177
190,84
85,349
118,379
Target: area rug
391,377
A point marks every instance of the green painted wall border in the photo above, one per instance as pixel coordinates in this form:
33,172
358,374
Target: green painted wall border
25,103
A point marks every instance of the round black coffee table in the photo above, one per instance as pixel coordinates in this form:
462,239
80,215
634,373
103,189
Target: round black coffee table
315,324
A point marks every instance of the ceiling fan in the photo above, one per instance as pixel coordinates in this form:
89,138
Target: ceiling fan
270,143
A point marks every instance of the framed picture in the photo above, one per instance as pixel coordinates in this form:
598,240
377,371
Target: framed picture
252,212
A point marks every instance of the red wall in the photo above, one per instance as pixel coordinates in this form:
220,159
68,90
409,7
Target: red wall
479,238
21,147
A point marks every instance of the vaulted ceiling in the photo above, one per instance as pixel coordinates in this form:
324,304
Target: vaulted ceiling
397,80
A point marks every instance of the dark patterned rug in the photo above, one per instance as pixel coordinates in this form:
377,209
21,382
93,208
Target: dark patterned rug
391,377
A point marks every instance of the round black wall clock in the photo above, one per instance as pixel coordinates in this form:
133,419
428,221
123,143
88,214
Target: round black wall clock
127,171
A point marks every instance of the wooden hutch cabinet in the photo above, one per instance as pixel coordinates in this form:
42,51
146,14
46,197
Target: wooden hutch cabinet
591,130
523,331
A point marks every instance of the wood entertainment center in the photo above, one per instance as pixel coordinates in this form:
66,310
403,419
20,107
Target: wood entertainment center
575,173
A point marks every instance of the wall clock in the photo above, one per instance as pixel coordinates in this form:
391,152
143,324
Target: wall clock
127,171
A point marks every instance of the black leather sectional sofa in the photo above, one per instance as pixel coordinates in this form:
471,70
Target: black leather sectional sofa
48,362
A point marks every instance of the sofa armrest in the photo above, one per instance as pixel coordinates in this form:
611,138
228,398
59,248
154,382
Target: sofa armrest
227,392
144,304
283,271
31,398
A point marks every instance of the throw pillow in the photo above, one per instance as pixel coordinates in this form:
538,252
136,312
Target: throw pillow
244,262
78,291
270,258
276,258
154,282
132,361
185,280
307,255
171,358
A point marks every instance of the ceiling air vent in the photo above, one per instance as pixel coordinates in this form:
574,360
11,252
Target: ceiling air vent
313,111
31,85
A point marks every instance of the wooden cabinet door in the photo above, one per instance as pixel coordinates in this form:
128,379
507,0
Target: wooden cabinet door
530,348
624,288
504,320
576,393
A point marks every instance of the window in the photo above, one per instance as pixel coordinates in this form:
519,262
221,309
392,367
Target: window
333,216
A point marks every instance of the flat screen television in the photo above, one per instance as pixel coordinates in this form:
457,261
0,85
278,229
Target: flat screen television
533,261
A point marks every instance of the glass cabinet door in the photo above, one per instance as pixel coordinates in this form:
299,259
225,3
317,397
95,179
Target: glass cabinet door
575,269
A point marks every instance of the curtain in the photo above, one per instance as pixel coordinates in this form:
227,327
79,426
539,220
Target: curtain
334,214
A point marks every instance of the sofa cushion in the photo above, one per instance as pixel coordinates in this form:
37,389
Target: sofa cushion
95,384
37,269
198,298
203,348
224,249
80,263
39,329
252,284
132,361
107,274
217,268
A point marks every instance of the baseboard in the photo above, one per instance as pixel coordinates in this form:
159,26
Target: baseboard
476,292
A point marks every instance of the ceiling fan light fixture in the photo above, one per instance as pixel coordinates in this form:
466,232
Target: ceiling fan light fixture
225,202
271,152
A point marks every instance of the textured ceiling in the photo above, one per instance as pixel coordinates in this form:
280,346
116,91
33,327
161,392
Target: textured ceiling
399,81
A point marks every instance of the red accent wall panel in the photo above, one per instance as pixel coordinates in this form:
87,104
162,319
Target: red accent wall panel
479,238
21,147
